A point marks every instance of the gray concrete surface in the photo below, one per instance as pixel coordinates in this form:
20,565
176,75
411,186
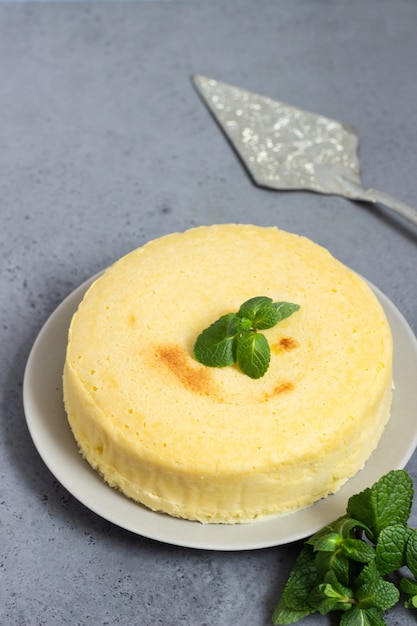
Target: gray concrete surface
104,144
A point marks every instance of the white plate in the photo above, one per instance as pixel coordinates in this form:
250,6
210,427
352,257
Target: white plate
48,426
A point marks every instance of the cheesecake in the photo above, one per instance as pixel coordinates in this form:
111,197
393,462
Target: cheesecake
211,444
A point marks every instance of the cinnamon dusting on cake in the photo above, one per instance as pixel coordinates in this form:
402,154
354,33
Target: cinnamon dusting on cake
283,386
287,344
197,379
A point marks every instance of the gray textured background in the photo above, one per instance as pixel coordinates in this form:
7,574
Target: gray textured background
104,145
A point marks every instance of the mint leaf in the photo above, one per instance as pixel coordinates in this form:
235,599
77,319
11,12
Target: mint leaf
411,602
362,617
284,615
285,309
380,595
331,595
386,503
391,548
253,354
216,346
357,550
372,591
256,308
264,313
411,552
369,575
339,537
326,542
234,336
343,526
267,317
301,581
336,562
409,587
325,598
348,527
244,324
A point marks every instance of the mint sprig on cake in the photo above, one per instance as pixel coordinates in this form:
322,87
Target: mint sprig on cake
234,337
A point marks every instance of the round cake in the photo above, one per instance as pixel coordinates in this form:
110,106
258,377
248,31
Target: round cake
211,443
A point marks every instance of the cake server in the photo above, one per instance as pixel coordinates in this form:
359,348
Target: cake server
287,148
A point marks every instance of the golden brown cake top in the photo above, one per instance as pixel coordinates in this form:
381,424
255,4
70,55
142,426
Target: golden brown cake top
131,345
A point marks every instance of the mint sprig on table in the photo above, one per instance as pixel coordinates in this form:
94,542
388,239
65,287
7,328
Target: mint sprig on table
347,566
234,337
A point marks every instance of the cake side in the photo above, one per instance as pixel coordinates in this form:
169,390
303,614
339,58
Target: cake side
209,443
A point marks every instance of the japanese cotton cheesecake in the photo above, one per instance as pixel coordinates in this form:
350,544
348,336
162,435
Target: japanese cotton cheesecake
210,443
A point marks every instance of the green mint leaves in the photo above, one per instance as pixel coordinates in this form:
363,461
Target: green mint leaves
344,567
234,337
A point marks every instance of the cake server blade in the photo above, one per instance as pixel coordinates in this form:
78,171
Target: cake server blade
284,147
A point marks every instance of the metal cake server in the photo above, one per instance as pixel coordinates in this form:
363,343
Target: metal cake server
287,148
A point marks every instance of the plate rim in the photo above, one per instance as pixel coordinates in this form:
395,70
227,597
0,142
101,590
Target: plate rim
184,533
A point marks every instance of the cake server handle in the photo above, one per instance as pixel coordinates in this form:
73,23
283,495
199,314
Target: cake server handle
356,192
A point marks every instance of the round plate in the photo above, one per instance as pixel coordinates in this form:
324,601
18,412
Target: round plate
51,434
